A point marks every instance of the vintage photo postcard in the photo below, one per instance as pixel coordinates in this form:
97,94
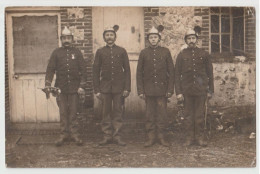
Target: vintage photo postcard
130,87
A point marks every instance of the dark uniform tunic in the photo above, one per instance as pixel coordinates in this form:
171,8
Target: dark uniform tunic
155,78
194,72
111,76
70,69
155,72
111,70
194,79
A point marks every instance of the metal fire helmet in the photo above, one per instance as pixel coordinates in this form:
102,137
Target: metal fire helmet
66,32
196,31
157,31
113,29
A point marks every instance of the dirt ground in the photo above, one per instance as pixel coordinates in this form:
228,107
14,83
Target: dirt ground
228,147
224,150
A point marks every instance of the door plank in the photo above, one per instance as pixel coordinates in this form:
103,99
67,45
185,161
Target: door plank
29,100
53,110
134,105
98,28
41,102
18,107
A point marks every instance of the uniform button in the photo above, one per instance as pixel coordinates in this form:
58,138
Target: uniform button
112,67
194,76
153,50
112,73
155,82
193,59
67,64
112,57
154,64
68,75
194,64
194,82
154,59
194,70
68,81
112,62
153,54
193,54
155,76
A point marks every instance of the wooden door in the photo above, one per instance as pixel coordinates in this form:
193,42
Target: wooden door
130,36
31,38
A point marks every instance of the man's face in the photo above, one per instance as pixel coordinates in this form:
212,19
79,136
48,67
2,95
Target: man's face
153,39
66,41
110,37
191,41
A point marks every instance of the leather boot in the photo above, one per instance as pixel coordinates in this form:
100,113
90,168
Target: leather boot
150,141
188,142
106,140
164,142
77,140
61,140
119,141
202,142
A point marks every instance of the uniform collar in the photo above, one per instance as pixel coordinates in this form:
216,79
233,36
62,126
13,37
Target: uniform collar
114,45
154,47
67,48
192,48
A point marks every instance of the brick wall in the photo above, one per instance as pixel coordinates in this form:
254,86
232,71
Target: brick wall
204,13
79,21
250,32
149,13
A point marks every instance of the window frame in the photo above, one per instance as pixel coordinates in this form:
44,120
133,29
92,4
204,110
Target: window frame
220,29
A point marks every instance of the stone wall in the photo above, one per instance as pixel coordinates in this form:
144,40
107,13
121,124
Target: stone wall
176,21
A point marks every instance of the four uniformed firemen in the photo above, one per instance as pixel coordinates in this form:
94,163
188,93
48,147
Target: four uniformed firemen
156,75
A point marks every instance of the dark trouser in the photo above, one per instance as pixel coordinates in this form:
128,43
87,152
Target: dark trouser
194,116
156,114
68,104
111,119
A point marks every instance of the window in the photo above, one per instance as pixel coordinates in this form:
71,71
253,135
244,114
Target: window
227,30
220,29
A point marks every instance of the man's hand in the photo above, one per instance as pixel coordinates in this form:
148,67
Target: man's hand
81,93
126,94
209,95
98,95
180,97
169,95
47,91
142,96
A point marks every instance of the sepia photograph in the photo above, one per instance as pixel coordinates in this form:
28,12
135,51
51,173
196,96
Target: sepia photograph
130,86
